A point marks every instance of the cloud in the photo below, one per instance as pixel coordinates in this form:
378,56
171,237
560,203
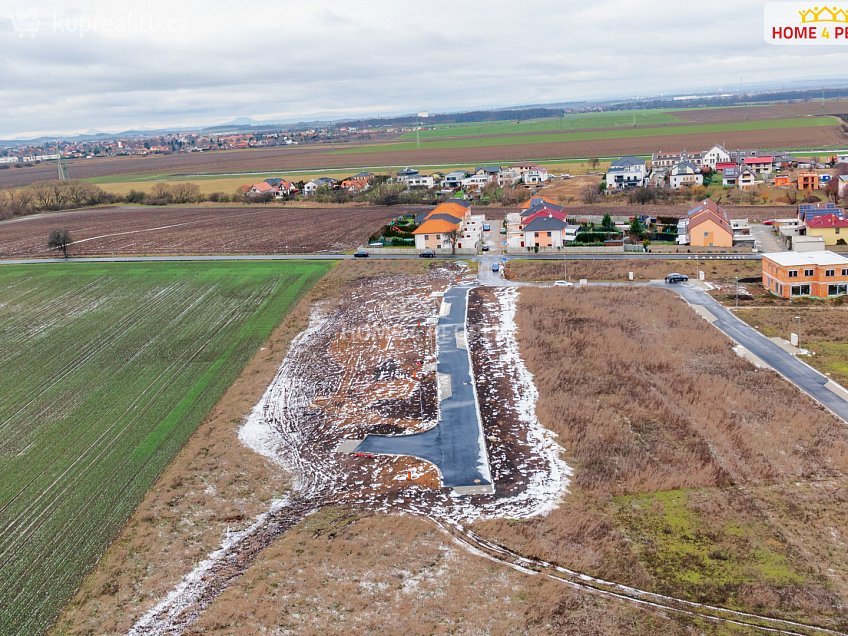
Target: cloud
93,64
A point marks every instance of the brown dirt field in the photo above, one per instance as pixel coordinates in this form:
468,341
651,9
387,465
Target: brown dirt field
324,156
680,450
766,111
617,270
196,230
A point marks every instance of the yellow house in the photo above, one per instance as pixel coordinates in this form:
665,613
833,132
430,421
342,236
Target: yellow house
830,227
709,226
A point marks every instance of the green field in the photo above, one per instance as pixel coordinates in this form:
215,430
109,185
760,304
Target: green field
588,135
107,370
576,121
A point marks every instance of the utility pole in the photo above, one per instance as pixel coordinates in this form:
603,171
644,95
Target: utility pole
798,319
737,292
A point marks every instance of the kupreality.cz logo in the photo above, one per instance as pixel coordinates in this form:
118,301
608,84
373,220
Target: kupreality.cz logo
806,23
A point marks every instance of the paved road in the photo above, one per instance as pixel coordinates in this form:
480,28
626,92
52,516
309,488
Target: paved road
373,255
803,376
456,445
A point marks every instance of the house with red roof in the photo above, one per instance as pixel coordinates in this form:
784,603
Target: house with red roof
832,228
759,165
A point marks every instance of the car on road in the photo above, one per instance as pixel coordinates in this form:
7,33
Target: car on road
360,254
496,267
676,278
485,248
427,254
563,283
486,227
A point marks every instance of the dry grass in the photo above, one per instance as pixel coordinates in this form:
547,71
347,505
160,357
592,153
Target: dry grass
617,270
672,439
823,330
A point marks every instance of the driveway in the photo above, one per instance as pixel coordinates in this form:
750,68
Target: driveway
456,445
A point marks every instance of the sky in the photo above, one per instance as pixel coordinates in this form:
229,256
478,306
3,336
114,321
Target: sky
74,66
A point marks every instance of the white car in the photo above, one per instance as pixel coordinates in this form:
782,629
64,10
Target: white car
563,283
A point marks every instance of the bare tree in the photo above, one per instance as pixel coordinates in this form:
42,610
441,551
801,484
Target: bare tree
60,240
590,194
453,237
593,162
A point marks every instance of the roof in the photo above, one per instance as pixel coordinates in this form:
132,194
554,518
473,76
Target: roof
543,207
544,224
450,218
557,214
436,226
708,214
263,187
529,203
629,160
827,220
750,160
796,259
489,169
685,165
273,182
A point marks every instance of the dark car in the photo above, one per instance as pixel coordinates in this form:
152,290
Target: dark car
427,254
485,248
496,267
676,278
360,254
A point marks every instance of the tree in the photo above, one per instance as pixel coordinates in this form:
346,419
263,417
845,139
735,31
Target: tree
637,230
832,189
593,162
453,236
60,240
590,194
607,223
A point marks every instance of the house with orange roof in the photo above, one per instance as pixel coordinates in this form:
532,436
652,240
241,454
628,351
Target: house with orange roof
449,226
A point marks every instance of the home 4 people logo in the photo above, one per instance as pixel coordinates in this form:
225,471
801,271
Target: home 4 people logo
25,23
805,23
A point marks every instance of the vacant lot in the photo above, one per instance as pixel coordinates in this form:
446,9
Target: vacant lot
823,328
114,367
693,471
197,230
617,270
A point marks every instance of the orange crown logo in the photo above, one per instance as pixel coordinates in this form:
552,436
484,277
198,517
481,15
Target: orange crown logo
823,14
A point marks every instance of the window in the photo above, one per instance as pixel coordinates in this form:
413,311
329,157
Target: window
845,271
800,290
549,233
837,290
829,273
808,272
793,273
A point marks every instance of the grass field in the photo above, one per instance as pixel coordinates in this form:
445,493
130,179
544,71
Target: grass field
576,121
519,139
109,369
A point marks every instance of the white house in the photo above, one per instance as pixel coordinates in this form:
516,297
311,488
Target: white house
684,174
453,180
321,182
716,154
535,175
508,177
627,172
747,179
420,181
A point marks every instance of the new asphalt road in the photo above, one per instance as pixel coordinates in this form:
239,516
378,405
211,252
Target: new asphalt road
456,444
815,384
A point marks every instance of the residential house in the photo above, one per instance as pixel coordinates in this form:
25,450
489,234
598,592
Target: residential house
821,274
782,181
508,177
358,182
420,181
808,181
321,182
831,227
659,177
665,160
747,179
685,174
627,172
730,176
760,165
544,231
481,177
453,180
807,211
708,226
449,221
738,156
535,175
714,156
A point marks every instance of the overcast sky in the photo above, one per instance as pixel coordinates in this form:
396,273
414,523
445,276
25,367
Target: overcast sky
76,65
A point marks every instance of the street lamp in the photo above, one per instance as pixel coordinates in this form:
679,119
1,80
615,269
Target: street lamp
798,320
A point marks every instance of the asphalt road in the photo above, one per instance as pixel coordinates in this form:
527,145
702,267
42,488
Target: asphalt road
373,255
803,376
456,444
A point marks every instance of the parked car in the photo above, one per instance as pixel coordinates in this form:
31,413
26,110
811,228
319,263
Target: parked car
563,283
486,227
427,254
676,278
496,267
360,254
485,248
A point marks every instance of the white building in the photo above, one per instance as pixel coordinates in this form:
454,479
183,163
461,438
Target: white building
535,175
508,177
685,174
627,172
716,154
453,180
